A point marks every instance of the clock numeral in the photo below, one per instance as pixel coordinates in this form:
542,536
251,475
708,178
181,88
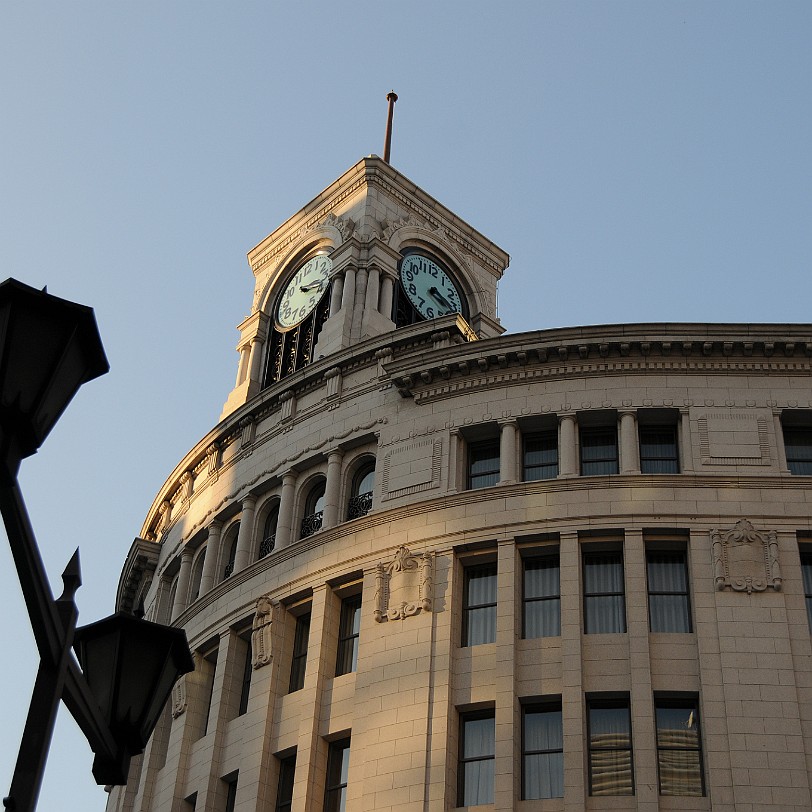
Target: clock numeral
430,312
412,289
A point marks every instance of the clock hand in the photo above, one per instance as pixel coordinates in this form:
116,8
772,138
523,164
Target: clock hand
440,298
306,288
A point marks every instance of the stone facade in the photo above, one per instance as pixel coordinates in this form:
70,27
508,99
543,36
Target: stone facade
634,452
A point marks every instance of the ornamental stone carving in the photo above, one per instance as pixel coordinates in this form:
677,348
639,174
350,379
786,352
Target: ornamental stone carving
745,559
261,653
403,588
179,697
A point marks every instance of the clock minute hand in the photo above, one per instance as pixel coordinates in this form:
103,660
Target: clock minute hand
306,288
440,298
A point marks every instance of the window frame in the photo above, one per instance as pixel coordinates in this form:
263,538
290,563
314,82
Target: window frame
682,703
312,519
609,703
360,503
285,781
268,540
337,789
593,553
492,473
652,551
347,643
805,555
550,705
462,760
647,458
537,557
540,435
298,660
490,568
245,681
797,424
592,431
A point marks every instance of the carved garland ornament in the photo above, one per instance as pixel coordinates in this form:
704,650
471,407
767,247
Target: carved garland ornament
403,588
745,559
261,653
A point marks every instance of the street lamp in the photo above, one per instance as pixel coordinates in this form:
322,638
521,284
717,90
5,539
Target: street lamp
49,347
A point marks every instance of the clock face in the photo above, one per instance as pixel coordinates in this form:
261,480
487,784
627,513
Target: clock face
303,292
428,287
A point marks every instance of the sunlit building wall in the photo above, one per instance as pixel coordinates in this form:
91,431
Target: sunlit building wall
424,564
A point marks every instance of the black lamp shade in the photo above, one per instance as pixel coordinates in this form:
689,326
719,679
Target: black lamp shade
131,665
49,347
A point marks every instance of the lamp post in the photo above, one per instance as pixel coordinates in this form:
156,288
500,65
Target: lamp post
49,347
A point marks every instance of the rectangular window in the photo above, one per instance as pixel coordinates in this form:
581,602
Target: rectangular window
604,597
477,747
231,792
338,767
610,748
284,790
542,597
483,464
598,450
540,456
349,627
806,573
658,449
208,665
798,446
299,660
542,752
669,607
679,747
479,605
245,686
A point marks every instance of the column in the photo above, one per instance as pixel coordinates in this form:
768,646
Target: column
686,447
629,450
255,358
373,289
507,722
182,591
212,554
454,443
336,293
285,521
332,490
245,535
387,293
567,457
243,365
572,700
348,291
507,451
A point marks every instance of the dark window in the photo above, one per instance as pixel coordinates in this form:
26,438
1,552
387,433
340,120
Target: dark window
542,597
231,793
314,510
231,542
483,464
798,445
284,790
604,601
338,767
806,572
269,532
610,748
208,666
669,607
361,500
197,576
479,605
598,450
658,450
541,456
679,747
542,752
245,686
476,768
349,626
299,661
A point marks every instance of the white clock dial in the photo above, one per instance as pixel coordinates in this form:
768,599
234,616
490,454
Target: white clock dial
428,287
303,292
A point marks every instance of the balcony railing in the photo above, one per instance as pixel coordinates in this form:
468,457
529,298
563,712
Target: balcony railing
267,545
359,506
312,524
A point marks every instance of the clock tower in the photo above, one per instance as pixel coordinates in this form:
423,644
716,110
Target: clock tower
371,254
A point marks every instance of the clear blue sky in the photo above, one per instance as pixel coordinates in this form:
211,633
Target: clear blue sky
639,161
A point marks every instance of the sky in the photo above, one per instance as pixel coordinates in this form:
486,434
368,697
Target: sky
639,161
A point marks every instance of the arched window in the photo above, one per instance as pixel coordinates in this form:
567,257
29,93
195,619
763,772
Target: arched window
361,495
173,592
231,547
197,574
314,509
268,541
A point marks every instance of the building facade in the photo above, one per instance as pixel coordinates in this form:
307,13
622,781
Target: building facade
426,565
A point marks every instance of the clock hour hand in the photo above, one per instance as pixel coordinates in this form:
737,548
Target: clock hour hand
440,298
311,286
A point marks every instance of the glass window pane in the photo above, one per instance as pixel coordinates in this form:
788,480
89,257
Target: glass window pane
611,772
542,618
679,753
603,573
666,572
543,730
478,783
544,776
669,614
481,626
609,727
476,768
541,578
478,737
481,586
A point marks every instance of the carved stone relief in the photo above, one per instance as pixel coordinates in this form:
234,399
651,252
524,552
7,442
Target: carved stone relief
261,653
404,587
179,697
745,559
411,468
